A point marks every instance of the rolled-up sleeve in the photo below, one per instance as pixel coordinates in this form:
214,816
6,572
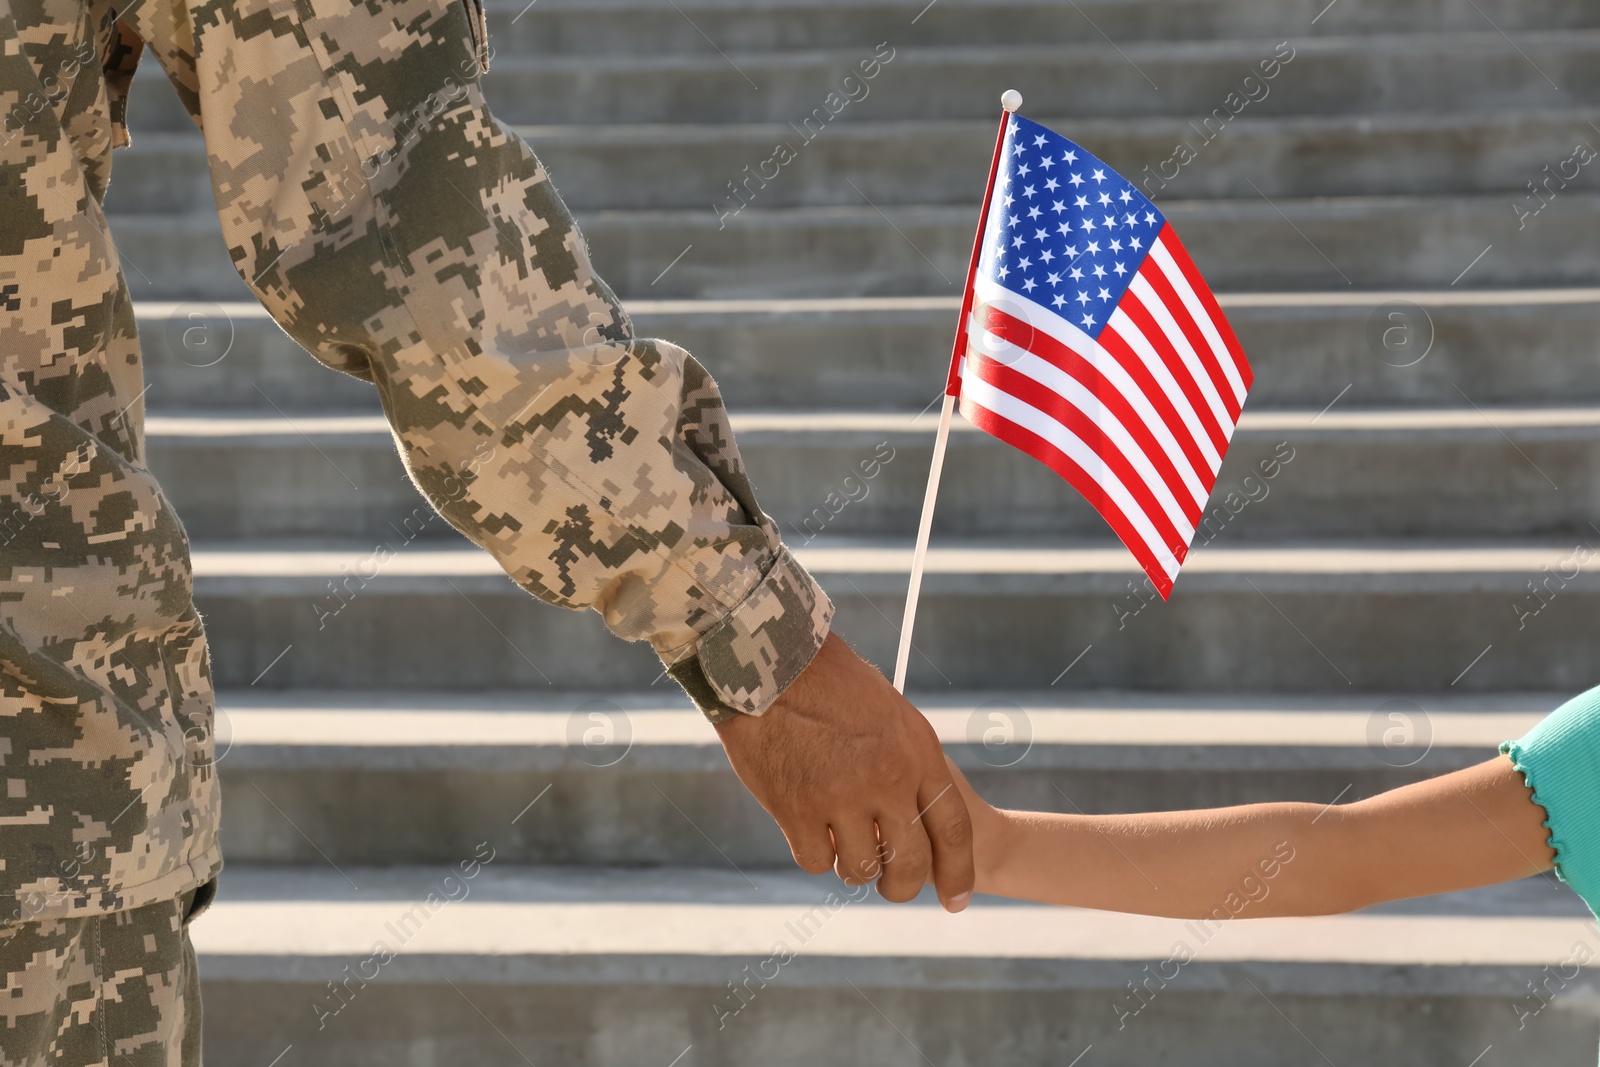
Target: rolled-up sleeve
401,234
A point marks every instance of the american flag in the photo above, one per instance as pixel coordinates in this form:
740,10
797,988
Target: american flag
1094,345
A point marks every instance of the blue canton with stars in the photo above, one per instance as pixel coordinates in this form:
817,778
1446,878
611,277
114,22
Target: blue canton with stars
1065,230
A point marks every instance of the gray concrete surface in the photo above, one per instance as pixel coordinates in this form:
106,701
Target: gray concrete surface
569,966
865,250
1343,473
394,777
876,353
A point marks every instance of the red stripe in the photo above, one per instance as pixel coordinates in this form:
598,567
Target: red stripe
1152,332
1058,355
1129,360
1014,383
1180,256
1150,270
1003,429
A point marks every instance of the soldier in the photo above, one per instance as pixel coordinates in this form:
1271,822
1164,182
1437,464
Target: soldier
403,236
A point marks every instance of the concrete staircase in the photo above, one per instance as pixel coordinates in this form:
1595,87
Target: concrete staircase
549,841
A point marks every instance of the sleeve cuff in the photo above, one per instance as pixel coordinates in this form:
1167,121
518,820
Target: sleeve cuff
745,662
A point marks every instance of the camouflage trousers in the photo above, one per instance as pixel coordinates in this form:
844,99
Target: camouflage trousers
101,989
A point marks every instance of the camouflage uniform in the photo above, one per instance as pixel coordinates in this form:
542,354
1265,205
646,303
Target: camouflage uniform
397,231
100,989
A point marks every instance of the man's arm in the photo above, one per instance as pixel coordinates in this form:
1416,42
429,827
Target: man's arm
401,234
397,231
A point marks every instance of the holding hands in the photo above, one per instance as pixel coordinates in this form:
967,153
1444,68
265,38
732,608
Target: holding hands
856,779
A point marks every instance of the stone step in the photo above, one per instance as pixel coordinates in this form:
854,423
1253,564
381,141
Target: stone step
1288,474
1358,243
581,27
1445,72
1374,616
390,778
640,968
945,162
1472,70
882,352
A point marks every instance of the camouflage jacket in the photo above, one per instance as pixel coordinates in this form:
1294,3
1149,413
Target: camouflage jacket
400,234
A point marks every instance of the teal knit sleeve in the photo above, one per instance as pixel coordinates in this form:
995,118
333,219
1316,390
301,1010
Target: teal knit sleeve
1560,760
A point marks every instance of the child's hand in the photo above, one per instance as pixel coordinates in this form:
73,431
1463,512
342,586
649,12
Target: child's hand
989,826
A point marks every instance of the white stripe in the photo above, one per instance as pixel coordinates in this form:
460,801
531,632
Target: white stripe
1073,392
1065,333
1145,293
1180,285
1032,419
1125,328
1048,374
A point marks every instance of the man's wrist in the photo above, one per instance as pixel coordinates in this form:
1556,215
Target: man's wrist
689,674
745,662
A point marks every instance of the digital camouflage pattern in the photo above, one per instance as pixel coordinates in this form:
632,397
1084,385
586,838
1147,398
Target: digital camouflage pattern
402,235
101,990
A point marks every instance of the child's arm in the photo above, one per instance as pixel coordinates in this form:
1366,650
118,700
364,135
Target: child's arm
1474,827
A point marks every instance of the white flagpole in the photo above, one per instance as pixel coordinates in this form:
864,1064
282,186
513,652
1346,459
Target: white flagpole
1010,100
924,528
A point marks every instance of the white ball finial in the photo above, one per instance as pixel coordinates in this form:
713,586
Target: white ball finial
1011,100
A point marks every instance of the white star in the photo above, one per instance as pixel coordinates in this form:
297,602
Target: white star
1047,162
1080,202
1088,225
1027,190
1016,149
1104,199
1099,175
1076,275
1047,255
1099,271
1116,246
1094,248
1012,220
1023,170
1063,229
1131,219
1052,185
1126,196
1057,206
1058,300
1105,294
1083,298
1053,279
1038,141
1034,212
1039,235
1120,269
1136,243
1111,222
1000,249
1024,263
1072,250
1029,285
1002,272
1076,180
1016,242
1009,198
1150,217
1070,157
1088,320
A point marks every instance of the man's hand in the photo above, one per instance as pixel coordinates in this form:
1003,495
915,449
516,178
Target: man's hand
856,780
